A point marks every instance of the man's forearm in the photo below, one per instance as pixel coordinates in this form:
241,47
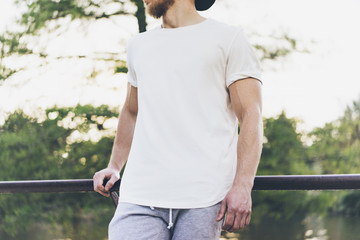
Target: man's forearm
249,149
123,139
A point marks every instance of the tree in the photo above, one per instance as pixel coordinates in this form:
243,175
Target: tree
43,17
53,148
336,150
283,154
336,146
283,150
52,18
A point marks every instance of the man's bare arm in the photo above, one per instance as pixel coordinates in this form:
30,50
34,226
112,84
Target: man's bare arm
122,143
246,102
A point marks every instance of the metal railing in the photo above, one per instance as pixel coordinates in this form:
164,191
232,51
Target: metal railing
275,182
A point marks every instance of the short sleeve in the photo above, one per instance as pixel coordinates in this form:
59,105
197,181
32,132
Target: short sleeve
131,76
241,60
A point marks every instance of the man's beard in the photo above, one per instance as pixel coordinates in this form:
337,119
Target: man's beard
158,8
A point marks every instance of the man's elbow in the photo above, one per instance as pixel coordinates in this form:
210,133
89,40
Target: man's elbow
250,115
129,111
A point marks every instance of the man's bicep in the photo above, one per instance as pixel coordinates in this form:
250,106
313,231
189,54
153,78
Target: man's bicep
131,101
246,97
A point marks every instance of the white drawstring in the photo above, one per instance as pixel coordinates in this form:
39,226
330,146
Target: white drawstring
170,219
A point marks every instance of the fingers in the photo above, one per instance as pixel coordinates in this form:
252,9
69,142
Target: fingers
229,220
242,219
222,211
104,193
98,184
99,177
236,224
111,182
100,189
248,219
238,209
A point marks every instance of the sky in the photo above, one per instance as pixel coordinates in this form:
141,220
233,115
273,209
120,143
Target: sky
313,87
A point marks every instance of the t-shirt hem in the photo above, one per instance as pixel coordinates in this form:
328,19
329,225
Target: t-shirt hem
241,76
177,205
132,83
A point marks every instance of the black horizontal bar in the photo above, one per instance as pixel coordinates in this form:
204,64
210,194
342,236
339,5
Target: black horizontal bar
70,185
275,182
307,182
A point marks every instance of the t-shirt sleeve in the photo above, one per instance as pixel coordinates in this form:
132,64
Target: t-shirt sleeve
241,60
131,76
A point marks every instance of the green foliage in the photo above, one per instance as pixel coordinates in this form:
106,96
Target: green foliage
121,69
57,146
283,153
10,45
26,144
41,12
283,46
336,149
283,150
54,16
5,72
350,204
337,145
279,204
34,149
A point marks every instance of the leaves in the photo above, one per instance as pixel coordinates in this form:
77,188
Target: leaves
34,149
283,151
31,148
41,12
337,145
45,17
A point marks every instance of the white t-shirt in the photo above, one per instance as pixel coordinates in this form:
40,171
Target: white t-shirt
183,153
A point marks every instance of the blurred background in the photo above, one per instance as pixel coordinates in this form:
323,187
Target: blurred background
63,81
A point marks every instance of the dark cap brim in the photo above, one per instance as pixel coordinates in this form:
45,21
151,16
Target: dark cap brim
202,5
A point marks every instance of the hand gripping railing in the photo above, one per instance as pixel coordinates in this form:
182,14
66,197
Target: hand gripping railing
275,182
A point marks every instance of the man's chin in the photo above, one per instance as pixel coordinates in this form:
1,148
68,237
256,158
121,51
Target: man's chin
154,15
158,9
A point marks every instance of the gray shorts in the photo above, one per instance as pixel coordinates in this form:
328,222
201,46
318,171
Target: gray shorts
137,222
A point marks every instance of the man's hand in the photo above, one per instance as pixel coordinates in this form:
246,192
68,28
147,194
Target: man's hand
238,205
108,173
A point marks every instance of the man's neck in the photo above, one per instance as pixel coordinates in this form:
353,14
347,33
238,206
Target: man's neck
181,14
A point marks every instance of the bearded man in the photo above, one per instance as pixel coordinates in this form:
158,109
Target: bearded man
189,174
